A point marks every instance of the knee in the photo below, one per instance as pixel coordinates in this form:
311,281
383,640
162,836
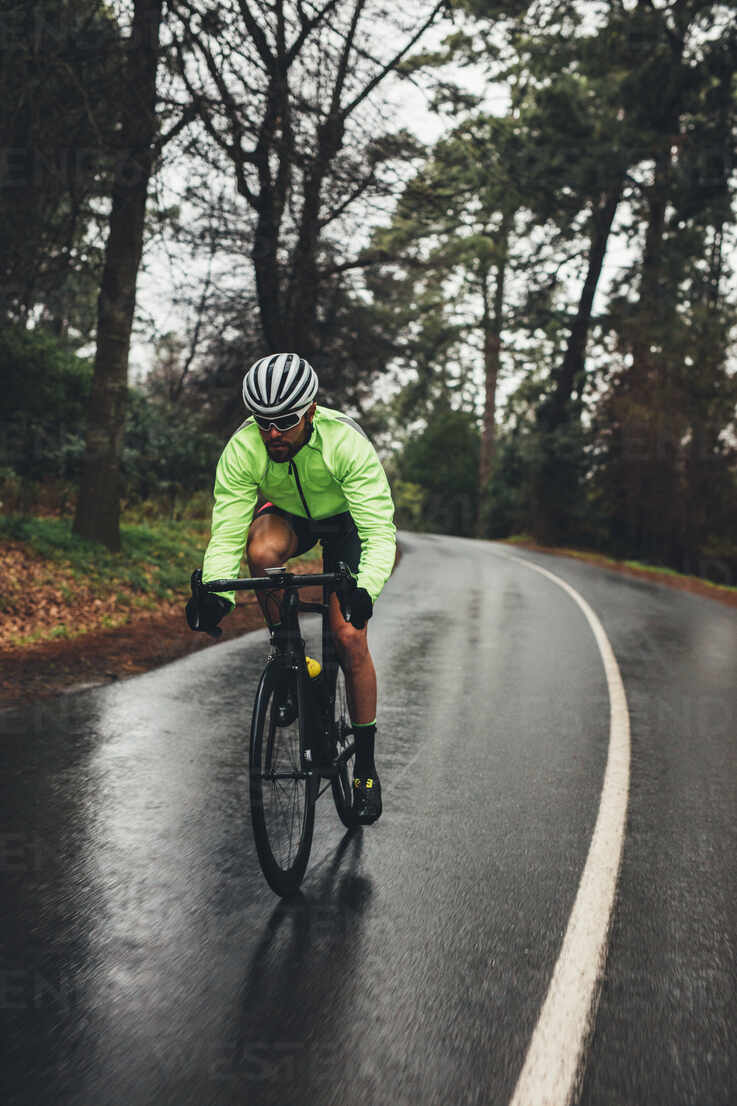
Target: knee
352,643
268,543
265,552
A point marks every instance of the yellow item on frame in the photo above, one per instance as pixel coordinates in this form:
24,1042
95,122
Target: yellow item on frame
314,668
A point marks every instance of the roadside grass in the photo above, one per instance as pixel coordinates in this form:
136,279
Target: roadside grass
57,585
638,566
155,561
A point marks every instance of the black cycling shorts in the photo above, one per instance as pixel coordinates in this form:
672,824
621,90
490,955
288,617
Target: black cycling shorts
337,535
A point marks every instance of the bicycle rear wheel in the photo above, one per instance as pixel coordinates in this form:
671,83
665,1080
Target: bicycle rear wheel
345,751
282,785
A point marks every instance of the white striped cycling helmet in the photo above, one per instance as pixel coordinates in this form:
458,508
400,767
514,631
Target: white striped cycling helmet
279,383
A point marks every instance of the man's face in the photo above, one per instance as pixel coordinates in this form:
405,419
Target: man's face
281,445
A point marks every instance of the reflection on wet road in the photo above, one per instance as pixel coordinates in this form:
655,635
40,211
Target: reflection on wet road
144,959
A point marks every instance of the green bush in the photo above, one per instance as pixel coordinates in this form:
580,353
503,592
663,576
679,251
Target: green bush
169,459
45,393
10,489
442,460
409,501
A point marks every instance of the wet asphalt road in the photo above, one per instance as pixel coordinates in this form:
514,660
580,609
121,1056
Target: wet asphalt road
144,960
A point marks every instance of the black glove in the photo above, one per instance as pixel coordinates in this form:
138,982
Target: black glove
360,607
205,609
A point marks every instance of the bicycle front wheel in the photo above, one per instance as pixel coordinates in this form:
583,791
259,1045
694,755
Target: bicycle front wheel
345,752
282,783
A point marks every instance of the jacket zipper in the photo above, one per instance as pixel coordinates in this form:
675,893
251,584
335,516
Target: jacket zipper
293,469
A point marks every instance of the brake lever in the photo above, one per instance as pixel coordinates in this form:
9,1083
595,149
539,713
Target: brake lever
345,588
195,583
198,588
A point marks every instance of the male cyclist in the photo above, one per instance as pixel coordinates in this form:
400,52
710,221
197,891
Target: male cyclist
323,481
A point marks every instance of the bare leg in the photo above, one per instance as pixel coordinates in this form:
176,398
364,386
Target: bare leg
355,659
271,542
353,651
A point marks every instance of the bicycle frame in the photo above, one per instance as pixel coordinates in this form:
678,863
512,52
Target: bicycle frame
289,649
289,643
286,768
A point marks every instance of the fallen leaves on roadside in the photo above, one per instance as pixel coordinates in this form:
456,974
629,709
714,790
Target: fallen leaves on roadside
56,630
42,600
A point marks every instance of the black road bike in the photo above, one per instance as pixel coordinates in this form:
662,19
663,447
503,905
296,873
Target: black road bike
301,737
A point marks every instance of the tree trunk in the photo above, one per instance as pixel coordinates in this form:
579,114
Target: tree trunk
98,506
556,478
569,377
264,255
275,136
304,283
647,460
654,428
492,328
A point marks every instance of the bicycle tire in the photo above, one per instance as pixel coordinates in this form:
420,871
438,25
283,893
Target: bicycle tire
342,783
282,784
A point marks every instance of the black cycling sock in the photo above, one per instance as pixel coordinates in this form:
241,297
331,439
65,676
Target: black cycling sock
365,736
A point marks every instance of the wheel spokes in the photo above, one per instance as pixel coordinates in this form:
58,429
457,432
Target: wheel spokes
284,784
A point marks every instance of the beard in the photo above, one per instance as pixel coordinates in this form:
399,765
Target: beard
283,451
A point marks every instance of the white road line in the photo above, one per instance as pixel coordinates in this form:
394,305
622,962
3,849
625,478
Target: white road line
554,1062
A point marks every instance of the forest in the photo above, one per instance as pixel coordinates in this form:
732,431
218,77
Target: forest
528,301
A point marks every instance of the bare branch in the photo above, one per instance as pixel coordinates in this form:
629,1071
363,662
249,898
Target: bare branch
188,116
257,35
394,62
234,149
344,58
363,262
357,192
308,26
195,341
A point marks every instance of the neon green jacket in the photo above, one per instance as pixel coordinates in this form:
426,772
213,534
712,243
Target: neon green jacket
337,470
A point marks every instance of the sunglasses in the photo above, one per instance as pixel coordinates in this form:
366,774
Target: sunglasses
282,422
